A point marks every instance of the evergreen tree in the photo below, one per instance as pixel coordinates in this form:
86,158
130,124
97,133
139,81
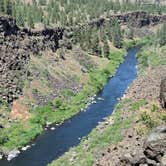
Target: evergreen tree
42,2
161,35
30,21
130,33
117,36
106,49
95,46
19,18
1,6
7,7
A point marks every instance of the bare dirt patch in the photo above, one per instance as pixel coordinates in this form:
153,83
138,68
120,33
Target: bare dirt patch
19,110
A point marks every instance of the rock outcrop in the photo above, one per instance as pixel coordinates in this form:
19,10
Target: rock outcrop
13,60
137,19
155,144
152,153
8,25
140,18
163,93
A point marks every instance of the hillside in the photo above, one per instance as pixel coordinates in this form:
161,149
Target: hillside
56,55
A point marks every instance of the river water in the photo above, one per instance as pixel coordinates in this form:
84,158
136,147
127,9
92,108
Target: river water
53,143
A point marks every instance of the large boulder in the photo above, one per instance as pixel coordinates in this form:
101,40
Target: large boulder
155,144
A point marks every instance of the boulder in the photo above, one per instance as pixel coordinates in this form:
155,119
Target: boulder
8,25
163,160
1,156
155,144
163,93
13,154
139,158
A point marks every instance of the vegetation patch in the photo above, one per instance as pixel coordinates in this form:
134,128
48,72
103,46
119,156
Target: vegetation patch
150,118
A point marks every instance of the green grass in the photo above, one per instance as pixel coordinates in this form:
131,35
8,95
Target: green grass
135,106
58,110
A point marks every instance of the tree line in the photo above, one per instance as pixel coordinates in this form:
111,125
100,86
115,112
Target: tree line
68,12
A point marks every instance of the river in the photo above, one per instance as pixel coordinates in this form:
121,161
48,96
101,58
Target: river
53,143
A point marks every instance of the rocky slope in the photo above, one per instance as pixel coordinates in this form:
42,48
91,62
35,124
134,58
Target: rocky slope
137,149
18,44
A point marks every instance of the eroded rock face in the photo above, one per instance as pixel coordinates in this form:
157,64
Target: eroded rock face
13,59
140,18
16,46
8,26
163,93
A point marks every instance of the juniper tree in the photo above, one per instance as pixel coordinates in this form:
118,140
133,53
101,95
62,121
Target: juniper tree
106,49
161,35
19,18
30,21
117,36
7,6
2,6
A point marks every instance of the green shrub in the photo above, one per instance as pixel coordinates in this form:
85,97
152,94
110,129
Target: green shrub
136,105
147,120
129,44
154,108
42,115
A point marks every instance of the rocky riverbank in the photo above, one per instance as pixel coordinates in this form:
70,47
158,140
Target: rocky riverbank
139,147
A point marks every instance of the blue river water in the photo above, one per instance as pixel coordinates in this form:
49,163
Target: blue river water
53,143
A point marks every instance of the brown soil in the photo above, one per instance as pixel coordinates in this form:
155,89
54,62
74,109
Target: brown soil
19,110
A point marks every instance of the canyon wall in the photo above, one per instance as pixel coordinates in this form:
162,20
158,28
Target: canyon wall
18,44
